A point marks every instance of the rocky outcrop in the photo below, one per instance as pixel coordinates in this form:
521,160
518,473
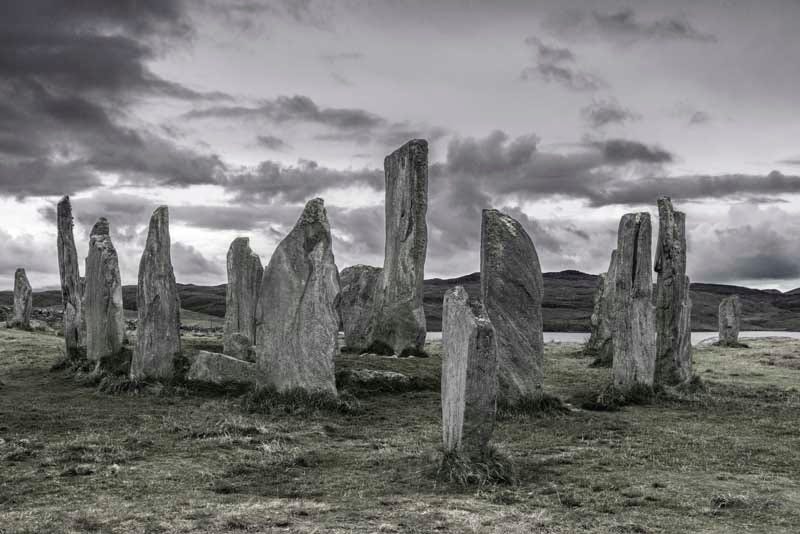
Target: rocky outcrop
69,270
633,327
220,369
400,322
469,374
23,301
673,304
730,317
601,343
297,321
158,339
241,297
105,320
512,292
357,304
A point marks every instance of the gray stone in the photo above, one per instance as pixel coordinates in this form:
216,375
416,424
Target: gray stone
400,322
730,318
23,301
220,369
158,336
469,374
633,327
244,282
374,379
601,342
512,290
673,304
69,269
102,307
359,287
297,321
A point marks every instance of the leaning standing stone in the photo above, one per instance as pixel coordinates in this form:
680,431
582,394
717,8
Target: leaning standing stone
297,321
23,301
601,343
512,290
158,336
244,282
633,312
105,321
359,287
730,318
69,270
469,374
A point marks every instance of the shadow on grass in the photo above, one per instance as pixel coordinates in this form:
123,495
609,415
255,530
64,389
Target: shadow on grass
489,467
299,402
542,405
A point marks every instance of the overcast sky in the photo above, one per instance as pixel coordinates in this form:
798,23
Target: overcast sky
564,114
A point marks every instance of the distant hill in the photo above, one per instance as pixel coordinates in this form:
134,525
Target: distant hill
567,304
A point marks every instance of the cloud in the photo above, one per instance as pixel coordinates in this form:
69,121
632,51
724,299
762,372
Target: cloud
554,64
601,113
271,142
699,117
620,151
189,263
342,56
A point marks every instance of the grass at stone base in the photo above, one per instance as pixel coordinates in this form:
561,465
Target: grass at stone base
723,460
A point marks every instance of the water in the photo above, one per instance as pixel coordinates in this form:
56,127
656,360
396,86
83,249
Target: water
697,337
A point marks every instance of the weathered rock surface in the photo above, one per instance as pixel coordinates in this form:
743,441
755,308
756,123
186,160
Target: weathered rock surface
469,374
400,322
512,292
357,305
69,269
23,301
297,320
220,369
105,320
158,339
673,304
373,379
730,317
244,282
601,343
633,312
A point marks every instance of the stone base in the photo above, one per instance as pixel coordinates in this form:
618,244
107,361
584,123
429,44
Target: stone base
219,369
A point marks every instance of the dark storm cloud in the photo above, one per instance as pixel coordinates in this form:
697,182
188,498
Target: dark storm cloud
555,64
272,142
620,151
189,262
604,112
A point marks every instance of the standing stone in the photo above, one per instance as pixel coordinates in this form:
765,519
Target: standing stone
730,318
512,290
23,301
244,282
297,321
360,284
401,320
601,343
69,270
633,312
469,374
158,335
673,304
105,321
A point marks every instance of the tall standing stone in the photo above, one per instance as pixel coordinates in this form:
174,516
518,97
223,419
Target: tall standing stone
158,335
730,319
105,320
673,304
241,297
69,270
633,312
601,343
23,301
297,320
469,374
401,321
512,290
359,286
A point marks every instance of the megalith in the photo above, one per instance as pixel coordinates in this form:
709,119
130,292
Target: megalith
297,319
158,336
400,322
512,290
23,301
673,303
244,281
601,342
469,374
633,311
69,269
359,287
730,318
220,369
105,320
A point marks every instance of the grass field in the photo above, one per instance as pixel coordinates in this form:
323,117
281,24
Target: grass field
723,460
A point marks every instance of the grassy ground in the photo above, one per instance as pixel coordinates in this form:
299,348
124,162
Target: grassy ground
725,460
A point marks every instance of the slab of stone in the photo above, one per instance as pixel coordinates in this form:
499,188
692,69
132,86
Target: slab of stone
23,301
730,319
244,283
601,343
158,336
512,290
469,374
221,369
241,347
297,317
360,285
69,270
102,307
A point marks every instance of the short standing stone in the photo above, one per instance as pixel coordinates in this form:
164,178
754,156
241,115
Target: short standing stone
601,343
634,315
105,320
297,319
359,286
730,319
23,301
512,290
469,374
220,369
69,270
244,282
158,339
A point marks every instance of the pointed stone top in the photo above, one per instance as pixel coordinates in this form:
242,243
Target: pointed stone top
416,148
100,227
497,217
241,241
20,272
64,208
314,212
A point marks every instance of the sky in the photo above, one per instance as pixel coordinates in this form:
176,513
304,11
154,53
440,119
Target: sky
563,114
